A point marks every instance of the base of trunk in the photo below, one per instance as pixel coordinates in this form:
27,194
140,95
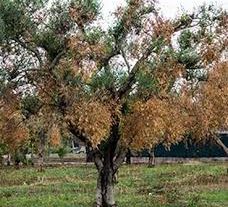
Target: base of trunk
151,162
40,164
128,157
105,189
97,205
40,169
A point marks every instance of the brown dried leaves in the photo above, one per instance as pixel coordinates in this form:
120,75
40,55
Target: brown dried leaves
211,107
156,121
92,118
13,131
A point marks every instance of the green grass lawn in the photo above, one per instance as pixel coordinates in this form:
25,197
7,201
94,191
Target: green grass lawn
202,185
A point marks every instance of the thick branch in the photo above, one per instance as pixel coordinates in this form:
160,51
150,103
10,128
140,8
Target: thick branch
31,49
105,60
223,146
78,134
180,25
114,136
125,89
125,60
98,160
119,159
56,60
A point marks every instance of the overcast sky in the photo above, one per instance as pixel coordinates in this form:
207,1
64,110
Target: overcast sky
169,7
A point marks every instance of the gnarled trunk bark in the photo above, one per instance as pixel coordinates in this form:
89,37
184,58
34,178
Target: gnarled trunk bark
107,166
105,181
105,189
108,157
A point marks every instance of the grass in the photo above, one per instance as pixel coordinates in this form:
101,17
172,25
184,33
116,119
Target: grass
202,185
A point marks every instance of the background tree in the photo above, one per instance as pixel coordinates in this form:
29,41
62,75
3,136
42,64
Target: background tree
116,88
43,132
13,132
210,108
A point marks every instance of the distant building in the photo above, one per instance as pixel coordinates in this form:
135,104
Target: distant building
189,149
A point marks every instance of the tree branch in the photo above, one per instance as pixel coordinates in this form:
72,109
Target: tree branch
181,25
56,60
78,134
98,160
221,144
119,159
31,49
131,78
125,24
125,60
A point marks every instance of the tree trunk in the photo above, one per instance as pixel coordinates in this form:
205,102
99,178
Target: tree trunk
8,162
32,157
107,158
107,167
1,161
40,162
151,158
105,181
41,150
223,146
105,189
17,159
89,154
128,157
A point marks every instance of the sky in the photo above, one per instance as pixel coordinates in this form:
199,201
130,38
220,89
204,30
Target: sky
168,7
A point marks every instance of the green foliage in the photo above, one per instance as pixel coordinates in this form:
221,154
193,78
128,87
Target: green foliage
60,21
51,42
13,19
187,54
146,82
3,76
88,6
185,18
2,29
16,17
185,39
53,33
117,30
30,105
106,79
3,150
208,14
189,57
19,156
94,35
62,151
